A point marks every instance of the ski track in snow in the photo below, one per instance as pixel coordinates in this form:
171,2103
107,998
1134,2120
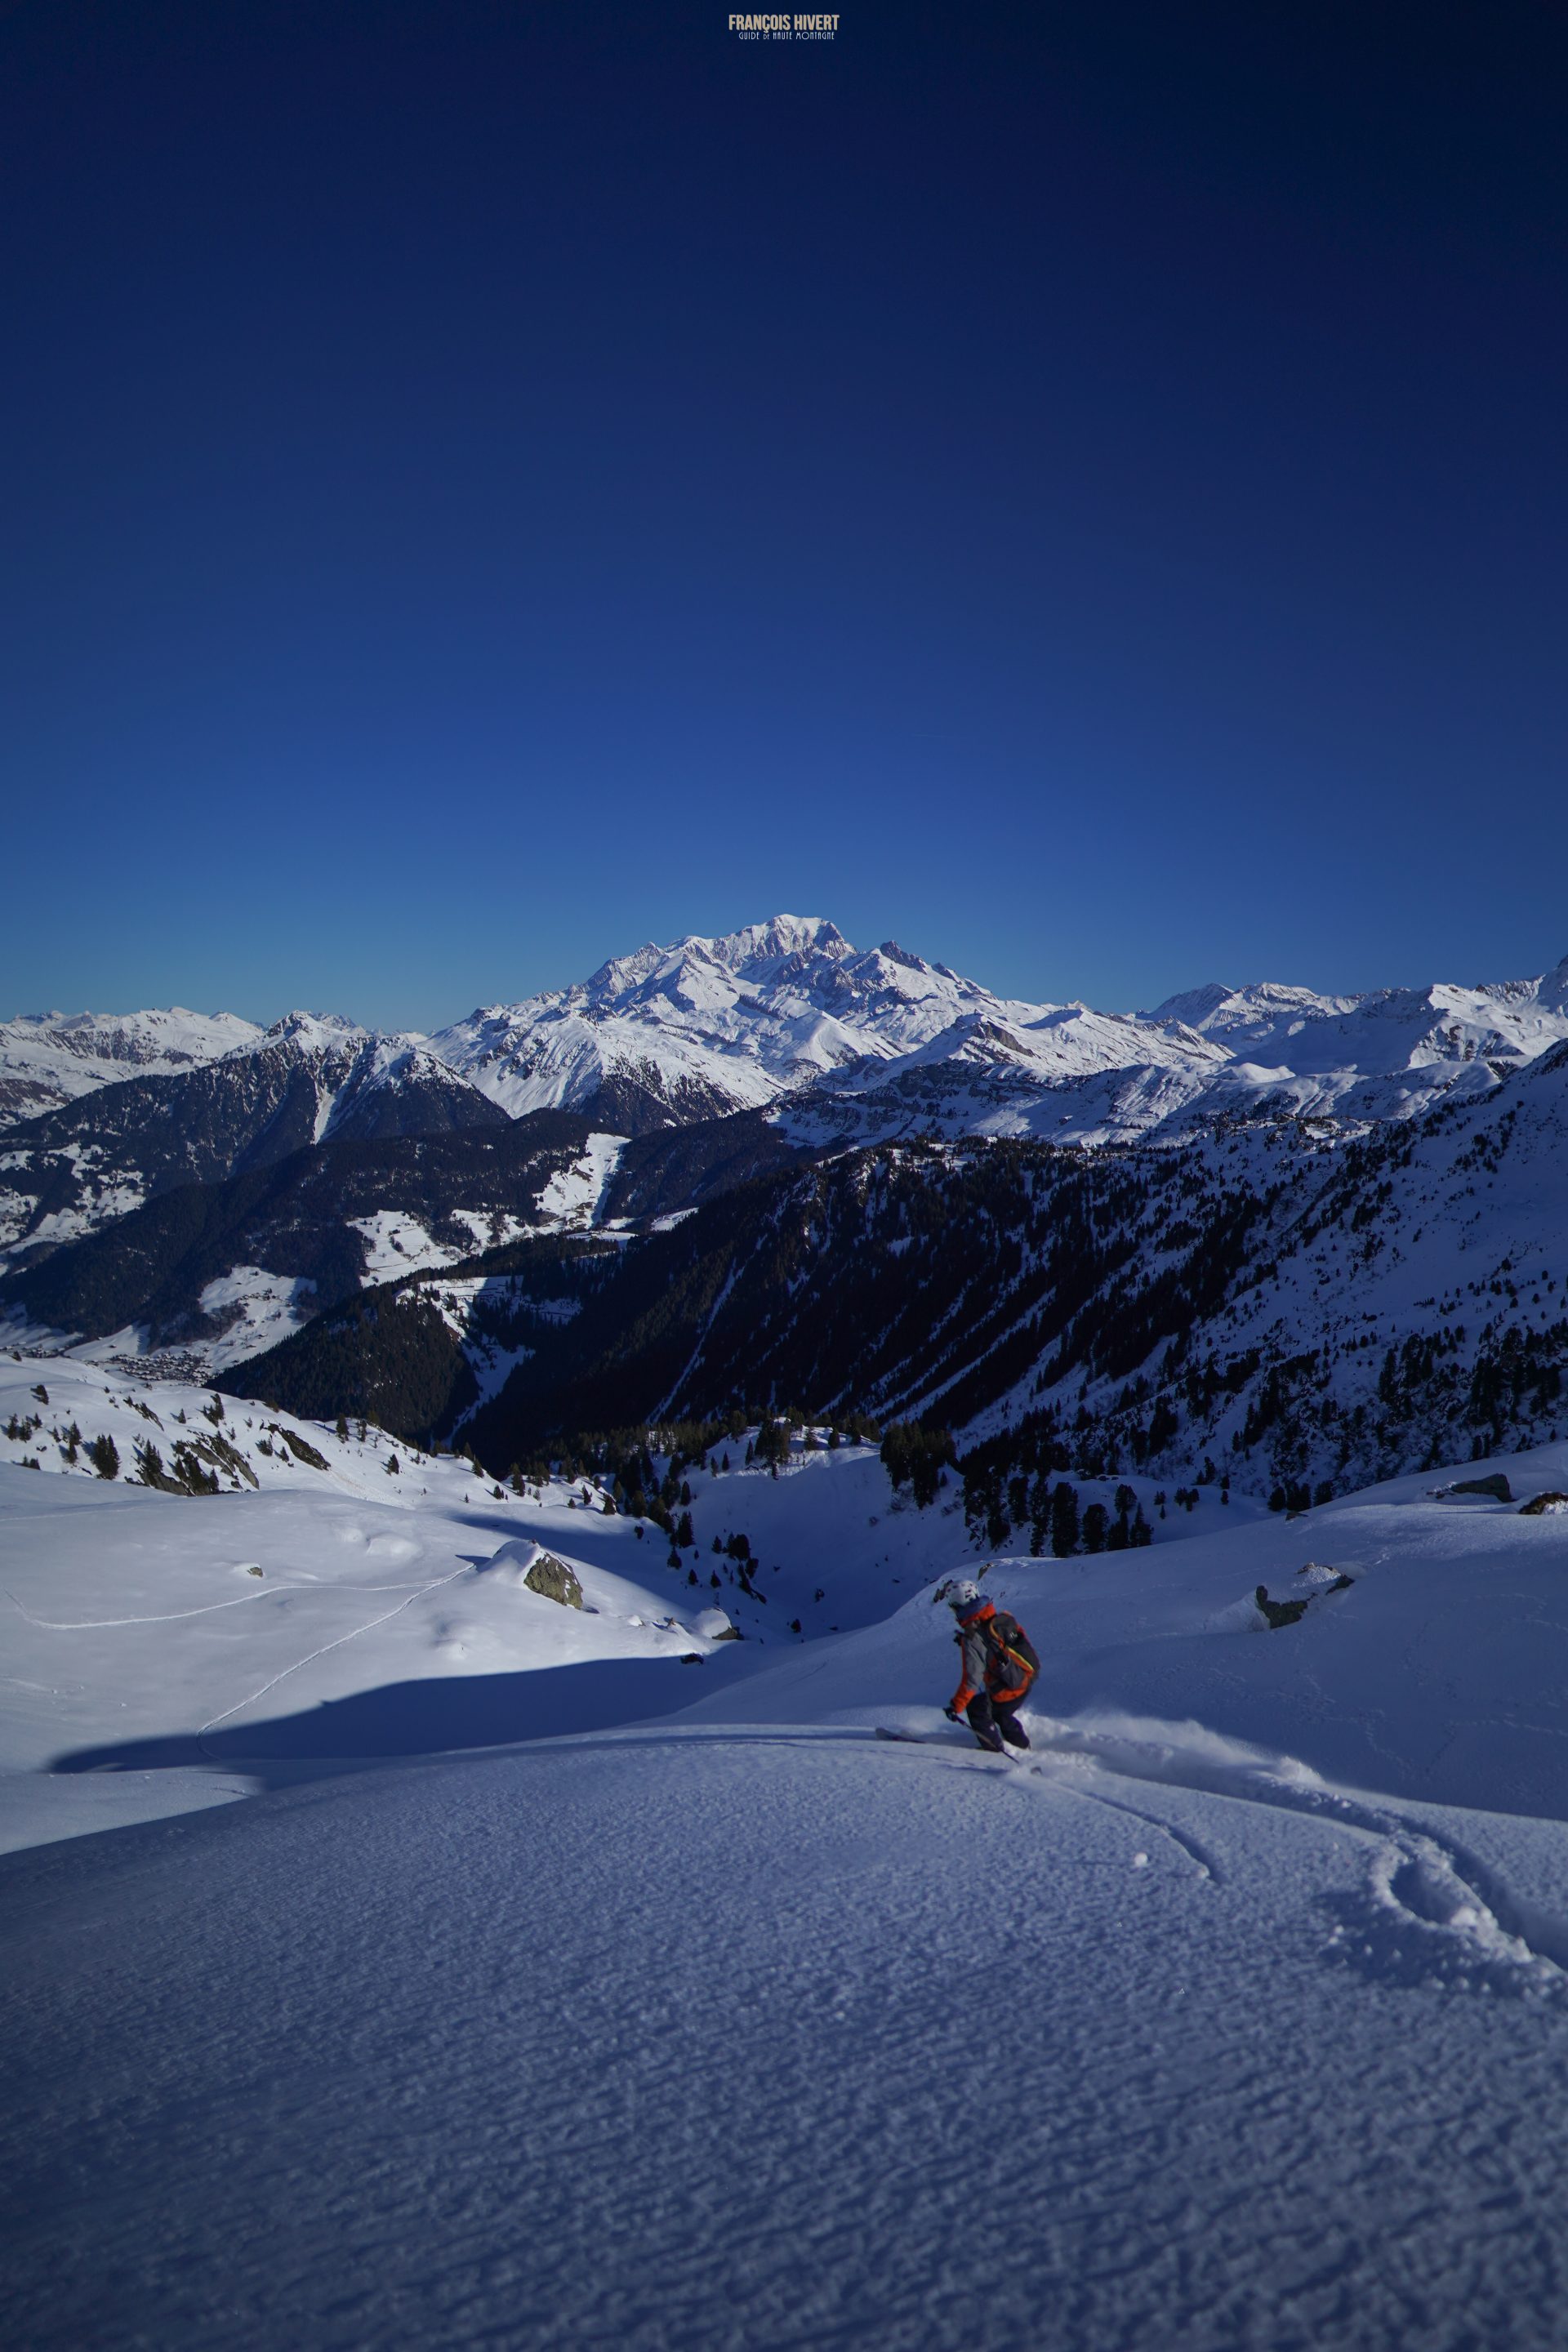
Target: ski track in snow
1202,1860
173,1617
104,1624
1415,1881
745,2031
340,1643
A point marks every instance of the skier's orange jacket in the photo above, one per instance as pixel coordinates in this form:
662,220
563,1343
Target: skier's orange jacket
987,1661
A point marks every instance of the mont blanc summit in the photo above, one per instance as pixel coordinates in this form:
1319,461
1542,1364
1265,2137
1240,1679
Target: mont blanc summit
709,1026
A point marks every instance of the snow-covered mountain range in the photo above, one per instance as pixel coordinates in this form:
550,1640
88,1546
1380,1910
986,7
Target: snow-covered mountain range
304,1081
840,1043
1270,1304
844,1044
1081,1077
47,1058
208,1212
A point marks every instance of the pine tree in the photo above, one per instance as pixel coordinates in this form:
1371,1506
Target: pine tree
1064,1521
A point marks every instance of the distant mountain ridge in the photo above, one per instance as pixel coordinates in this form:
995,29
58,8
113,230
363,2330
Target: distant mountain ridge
1317,1237
1299,1312
1075,1075
788,1018
303,1081
784,1022
49,1058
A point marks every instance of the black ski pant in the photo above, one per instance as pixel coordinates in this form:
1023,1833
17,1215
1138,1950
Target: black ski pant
998,1710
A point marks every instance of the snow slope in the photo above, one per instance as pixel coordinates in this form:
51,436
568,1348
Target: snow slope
190,1622
315,1575
746,2029
1437,1676
170,1636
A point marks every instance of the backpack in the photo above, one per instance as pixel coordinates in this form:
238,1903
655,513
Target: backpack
1011,1642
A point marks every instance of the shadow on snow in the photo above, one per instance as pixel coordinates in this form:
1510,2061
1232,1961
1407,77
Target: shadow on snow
431,1718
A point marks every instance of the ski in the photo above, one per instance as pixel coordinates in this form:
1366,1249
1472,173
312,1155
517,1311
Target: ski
965,1742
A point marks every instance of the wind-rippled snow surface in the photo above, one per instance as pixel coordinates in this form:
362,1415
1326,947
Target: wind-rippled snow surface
771,2039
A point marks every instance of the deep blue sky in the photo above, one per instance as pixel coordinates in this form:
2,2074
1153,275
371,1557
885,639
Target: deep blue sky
1080,490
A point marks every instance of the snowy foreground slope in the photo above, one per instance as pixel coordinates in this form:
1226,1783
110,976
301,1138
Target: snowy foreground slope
758,2040
320,1603
1234,2016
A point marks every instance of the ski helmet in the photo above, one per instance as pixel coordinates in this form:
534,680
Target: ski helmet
965,1597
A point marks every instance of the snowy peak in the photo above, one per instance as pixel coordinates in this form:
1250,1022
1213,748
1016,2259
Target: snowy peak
710,1025
314,1032
756,954
841,1041
348,1065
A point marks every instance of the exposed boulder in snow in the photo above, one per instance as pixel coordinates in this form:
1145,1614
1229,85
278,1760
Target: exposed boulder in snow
715,1626
1318,1582
551,1578
1491,1488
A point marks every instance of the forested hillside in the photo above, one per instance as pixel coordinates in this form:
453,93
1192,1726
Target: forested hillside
1265,1303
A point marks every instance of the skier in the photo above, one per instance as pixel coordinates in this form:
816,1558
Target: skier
997,1664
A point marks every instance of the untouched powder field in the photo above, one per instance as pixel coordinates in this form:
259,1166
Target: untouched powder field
1234,2014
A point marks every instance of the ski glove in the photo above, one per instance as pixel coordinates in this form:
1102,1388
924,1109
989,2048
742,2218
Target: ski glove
951,1714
